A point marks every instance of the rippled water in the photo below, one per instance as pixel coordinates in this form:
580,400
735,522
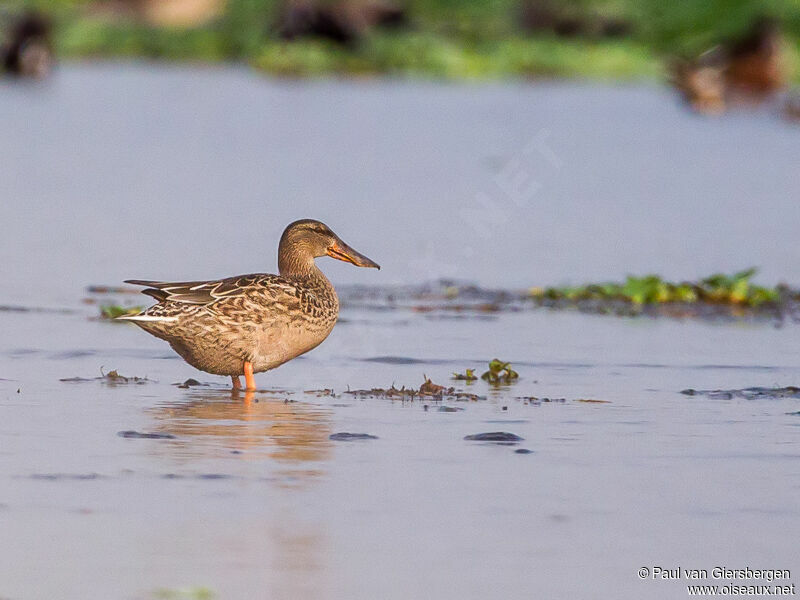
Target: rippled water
114,172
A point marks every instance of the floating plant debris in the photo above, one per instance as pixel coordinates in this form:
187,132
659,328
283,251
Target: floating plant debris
592,401
428,390
469,375
112,377
500,373
752,393
321,393
137,435
349,437
431,389
716,296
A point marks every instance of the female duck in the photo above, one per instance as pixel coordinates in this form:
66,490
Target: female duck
252,323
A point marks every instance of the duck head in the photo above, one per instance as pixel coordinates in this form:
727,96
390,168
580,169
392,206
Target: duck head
307,239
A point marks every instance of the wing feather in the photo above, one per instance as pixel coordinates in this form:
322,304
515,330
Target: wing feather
208,292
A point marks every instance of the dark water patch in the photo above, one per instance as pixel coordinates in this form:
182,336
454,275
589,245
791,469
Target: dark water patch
201,476
523,451
69,354
20,352
732,367
397,360
111,289
66,476
138,353
637,365
751,393
498,437
349,437
36,309
464,317
138,435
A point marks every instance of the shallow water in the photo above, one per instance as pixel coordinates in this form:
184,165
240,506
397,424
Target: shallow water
250,497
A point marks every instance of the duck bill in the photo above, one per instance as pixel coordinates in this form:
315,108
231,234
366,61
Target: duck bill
341,251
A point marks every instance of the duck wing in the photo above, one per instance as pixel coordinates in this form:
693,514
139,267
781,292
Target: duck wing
207,292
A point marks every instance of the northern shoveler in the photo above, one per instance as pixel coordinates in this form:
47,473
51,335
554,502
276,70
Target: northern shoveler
252,323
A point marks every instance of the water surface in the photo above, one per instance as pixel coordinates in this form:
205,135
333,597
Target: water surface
112,172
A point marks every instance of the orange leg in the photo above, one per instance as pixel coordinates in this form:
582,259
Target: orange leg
249,380
237,384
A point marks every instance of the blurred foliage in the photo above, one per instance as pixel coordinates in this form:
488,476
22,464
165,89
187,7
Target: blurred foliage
195,593
420,54
444,38
652,289
112,311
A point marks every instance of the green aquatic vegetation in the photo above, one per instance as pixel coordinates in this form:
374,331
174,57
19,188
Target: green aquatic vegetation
469,375
735,289
112,311
499,373
194,593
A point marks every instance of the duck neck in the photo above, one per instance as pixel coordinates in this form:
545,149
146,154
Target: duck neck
298,265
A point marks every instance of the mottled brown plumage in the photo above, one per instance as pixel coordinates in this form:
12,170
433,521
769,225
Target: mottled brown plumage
262,320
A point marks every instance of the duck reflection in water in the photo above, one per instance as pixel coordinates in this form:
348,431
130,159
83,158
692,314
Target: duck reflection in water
216,424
